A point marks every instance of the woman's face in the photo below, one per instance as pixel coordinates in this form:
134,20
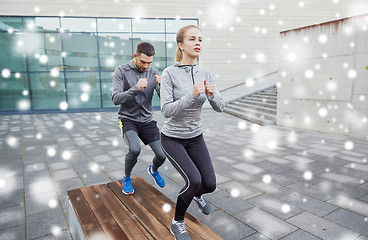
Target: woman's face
191,45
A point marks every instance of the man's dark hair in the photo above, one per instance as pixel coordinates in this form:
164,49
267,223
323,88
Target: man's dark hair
146,48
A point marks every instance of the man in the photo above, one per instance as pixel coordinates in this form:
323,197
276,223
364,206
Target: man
132,89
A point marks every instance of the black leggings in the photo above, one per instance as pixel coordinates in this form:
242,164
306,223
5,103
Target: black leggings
191,159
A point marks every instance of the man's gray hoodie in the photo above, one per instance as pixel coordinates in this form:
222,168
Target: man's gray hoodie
180,105
134,104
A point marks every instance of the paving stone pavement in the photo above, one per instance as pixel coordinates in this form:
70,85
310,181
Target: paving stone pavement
272,182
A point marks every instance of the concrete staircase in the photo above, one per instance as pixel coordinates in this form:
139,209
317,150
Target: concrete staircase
258,107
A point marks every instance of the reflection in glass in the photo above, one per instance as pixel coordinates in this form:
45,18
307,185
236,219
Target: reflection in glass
113,25
12,51
43,51
83,89
173,26
10,24
81,51
48,90
158,41
42,24
14,93
106,84
115,49
78,24
148,25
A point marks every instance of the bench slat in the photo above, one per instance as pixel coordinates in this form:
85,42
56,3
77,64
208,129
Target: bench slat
85,215
103,211
108,223
150,222
145,191
127,222
191,222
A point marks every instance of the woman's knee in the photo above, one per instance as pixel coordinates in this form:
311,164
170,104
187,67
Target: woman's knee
195,183
210,186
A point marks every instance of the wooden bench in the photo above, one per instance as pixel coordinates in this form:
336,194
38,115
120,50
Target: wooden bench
104,212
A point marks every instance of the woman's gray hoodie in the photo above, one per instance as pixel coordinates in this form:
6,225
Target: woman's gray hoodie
179,104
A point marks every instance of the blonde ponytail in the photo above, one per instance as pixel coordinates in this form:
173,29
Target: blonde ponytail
178,55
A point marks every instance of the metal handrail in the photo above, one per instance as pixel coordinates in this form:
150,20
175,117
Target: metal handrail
239,84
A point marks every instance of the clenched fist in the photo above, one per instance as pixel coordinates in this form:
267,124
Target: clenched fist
209,88
198,89
142,83
158,78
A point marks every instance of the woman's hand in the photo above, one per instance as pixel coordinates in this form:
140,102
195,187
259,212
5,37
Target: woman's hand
198,89
209,88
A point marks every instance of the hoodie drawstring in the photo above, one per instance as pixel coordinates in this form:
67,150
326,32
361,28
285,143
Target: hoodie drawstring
192,76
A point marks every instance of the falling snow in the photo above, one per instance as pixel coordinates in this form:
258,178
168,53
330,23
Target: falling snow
51,152
63,105
54,72
166,207
267,179
308,175
349,145
235,192
69,124
66,155
5,73
259,143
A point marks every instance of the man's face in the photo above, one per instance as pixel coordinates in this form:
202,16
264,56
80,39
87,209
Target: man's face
142,61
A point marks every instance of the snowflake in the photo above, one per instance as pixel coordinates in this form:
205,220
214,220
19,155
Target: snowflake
5,73
308,175
267,179
166,207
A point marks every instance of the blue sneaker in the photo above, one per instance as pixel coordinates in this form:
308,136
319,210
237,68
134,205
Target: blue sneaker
127,186
158,179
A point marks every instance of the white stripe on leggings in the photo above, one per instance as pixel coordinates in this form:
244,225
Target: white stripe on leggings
180,169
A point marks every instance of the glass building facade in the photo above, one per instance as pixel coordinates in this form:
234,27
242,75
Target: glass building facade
66,63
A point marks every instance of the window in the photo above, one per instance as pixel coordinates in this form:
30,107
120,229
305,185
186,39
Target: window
12,52
115,49
43,51
149,25
47,61
114,25
80,51
14,93
48,90
78,24
83,90
106,89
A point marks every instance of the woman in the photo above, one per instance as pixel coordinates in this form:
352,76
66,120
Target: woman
184,88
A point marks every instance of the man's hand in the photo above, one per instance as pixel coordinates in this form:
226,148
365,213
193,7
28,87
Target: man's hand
198,89
158,78
209,88
142,83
